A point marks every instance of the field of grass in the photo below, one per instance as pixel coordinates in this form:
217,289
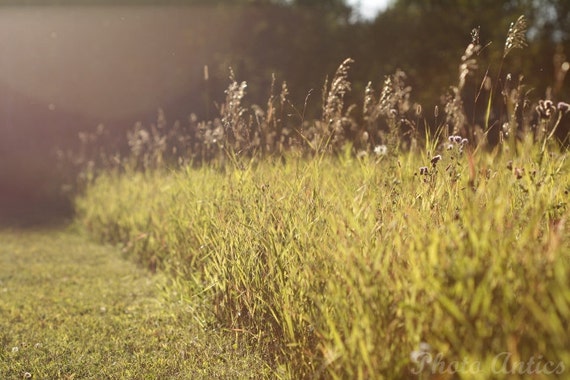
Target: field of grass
73,309
361,245
350,267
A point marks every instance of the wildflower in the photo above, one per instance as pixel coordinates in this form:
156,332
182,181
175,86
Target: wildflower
27,375
380,150
456,139
449,146
464,142
435,160
545,109
15,349
563,107
361,154
424,170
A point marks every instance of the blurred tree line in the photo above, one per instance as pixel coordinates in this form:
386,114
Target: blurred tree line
302,41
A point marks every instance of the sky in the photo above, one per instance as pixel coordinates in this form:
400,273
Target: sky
369,8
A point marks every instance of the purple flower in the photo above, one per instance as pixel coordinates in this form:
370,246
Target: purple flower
545,109
435,159
563,107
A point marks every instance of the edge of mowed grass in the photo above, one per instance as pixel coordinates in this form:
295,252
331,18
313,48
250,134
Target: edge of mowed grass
74,309
341,267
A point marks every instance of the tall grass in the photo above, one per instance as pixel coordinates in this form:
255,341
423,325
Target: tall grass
367,262
344,267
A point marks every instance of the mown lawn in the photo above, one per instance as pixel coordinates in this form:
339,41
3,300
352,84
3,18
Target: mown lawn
72,309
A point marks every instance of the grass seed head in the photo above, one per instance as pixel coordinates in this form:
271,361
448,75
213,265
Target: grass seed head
516,37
